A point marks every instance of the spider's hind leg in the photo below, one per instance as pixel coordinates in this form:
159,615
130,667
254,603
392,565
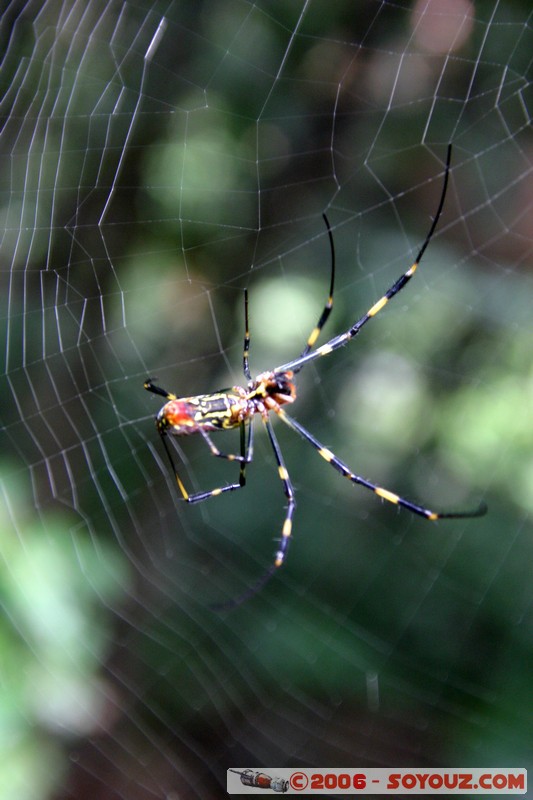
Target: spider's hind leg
245,457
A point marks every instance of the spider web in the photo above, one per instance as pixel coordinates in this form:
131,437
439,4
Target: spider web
158,158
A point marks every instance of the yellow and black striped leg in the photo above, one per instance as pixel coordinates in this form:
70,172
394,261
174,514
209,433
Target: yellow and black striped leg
288,490
315,333
181,486
344,338
151,387
244,458
385,494
286,530
246,347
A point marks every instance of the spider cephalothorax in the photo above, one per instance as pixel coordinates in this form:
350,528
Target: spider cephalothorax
272,389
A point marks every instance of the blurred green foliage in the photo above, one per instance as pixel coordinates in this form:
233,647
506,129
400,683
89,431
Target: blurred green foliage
54,637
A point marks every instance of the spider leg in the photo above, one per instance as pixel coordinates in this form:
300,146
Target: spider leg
289,494
244,458
246,348
313,336
151,387
343,338
385,494
286,530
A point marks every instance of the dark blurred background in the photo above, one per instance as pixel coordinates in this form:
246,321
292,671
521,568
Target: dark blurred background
157,159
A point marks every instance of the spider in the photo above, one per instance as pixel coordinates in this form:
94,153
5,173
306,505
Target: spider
270,392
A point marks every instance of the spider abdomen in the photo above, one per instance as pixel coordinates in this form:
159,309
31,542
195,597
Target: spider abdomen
209,412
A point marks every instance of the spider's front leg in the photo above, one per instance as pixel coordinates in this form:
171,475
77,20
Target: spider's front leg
380,491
